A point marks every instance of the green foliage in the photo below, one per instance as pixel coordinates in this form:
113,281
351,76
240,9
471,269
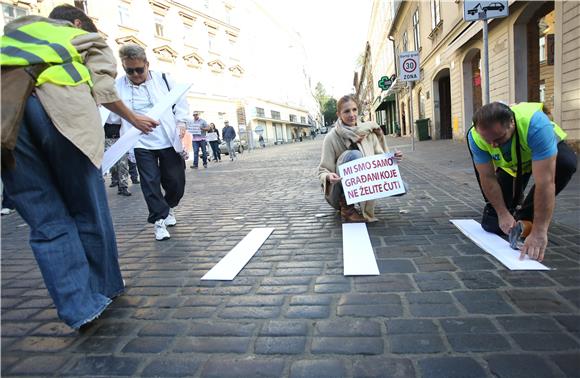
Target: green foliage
329,111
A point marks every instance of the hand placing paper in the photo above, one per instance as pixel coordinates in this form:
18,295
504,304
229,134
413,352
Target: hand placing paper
129,138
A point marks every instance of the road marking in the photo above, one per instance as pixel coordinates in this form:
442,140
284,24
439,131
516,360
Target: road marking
357,251
496,246
232,263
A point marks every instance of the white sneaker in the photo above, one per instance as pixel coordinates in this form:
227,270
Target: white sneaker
170,221
161,231
5,211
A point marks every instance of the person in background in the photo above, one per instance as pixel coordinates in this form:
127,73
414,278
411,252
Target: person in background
345,142
120,170
198,129
229,135
213,136
158,154
56,183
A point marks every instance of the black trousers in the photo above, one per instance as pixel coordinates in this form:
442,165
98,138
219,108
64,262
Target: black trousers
566,162
160,169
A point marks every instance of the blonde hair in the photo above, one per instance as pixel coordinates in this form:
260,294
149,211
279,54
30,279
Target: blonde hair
343,100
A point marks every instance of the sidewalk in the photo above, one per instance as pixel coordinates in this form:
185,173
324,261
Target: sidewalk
440,308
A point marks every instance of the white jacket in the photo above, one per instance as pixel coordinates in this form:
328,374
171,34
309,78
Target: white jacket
169,120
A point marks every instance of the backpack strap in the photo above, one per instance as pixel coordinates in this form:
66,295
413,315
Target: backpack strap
168,88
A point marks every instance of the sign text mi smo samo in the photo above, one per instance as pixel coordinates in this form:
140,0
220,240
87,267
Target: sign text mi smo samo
370,178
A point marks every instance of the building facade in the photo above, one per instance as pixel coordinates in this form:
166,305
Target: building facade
533,56
202,42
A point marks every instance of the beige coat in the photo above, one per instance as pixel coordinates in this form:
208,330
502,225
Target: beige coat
333,146
73,109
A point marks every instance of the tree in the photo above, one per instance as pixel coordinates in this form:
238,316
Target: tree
329,111
320,95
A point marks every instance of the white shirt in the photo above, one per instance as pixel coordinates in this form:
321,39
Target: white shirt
141,98
141,103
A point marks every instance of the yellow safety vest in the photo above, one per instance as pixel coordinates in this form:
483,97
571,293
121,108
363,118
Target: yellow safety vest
523,113
42,42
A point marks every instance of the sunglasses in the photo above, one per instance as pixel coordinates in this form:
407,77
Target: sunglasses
136,70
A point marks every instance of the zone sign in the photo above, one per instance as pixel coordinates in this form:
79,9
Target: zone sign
409,66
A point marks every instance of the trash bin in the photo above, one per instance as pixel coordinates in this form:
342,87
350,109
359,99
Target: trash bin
423,128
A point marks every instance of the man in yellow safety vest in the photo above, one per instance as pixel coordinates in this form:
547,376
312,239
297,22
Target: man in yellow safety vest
57,149
509,145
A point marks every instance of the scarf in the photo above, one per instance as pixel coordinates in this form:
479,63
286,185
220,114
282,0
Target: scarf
346,133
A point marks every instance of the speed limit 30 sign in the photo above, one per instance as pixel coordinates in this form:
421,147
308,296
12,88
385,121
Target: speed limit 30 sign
409,66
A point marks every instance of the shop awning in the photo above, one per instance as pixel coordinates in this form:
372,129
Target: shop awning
397,86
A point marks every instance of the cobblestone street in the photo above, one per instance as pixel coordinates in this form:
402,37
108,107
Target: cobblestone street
441,307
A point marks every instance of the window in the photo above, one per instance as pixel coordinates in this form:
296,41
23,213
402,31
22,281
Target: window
293,118
124,14
416,32
543,49
228,15
302,119
405,42
435,13
275,114
210,41
542,91
187,34
260,112
82,5
421,104
10,12
158,20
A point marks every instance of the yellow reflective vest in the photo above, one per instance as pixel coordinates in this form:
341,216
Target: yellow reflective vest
42,42
523,113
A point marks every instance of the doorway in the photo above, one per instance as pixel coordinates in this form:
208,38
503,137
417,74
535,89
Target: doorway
442,102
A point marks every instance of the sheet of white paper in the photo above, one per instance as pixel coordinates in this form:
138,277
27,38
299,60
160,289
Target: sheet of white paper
232,263
357,251
104,112
129,138
496,246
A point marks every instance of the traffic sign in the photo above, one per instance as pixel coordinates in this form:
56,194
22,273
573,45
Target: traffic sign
484,10
409,66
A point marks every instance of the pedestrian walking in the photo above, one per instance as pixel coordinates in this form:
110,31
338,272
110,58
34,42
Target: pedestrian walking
213,137
198,129
349,141
508,145
53,153
229,135
158,154
120,170
261,141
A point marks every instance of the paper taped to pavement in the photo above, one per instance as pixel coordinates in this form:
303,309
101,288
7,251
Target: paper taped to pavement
131,136
232,263
496,246
357,251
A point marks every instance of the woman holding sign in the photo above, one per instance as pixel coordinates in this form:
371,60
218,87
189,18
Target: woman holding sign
349,141
213,137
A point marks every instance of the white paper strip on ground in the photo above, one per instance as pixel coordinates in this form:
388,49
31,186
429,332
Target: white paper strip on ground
232,263
129,138
357,251
496,246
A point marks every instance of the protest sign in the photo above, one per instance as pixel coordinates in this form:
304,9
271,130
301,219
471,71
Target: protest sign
370,178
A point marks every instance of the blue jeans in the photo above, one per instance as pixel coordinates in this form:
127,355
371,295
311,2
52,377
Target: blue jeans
61,195
196,145
231,148
215,148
